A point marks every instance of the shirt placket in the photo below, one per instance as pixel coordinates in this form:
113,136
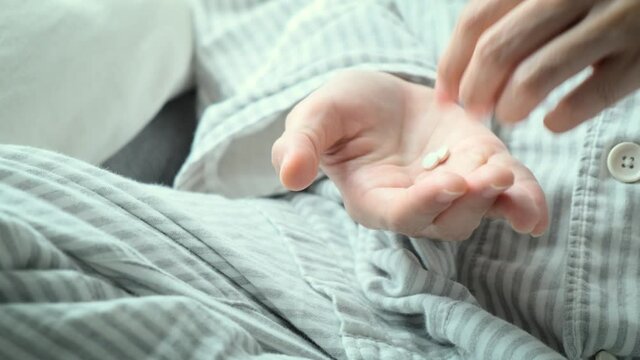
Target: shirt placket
581,230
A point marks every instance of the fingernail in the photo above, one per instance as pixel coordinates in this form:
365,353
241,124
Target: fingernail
278,163
448,196
498,187
538,234
495,190
521,231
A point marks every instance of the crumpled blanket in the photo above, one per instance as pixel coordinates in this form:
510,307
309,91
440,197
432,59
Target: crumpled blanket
96,266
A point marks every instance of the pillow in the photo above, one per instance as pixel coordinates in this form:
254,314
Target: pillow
82,77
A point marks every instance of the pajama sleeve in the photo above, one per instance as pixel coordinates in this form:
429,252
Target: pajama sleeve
256,59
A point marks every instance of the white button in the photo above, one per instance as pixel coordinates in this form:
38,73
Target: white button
624,162
603,355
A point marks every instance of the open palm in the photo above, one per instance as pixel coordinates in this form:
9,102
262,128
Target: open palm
369,132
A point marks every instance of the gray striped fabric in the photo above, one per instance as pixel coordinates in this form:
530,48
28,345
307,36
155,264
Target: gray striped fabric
95,266
256,59
575,289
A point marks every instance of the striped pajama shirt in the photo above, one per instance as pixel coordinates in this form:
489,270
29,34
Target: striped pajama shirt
96,266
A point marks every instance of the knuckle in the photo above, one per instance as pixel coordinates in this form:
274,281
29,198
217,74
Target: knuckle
488,49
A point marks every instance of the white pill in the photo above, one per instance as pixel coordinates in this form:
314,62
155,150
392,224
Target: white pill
443,154
430,161
435,158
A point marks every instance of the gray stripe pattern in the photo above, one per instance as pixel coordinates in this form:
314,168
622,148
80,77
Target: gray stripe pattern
95,266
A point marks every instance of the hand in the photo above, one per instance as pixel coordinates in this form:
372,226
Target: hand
508,55
369,132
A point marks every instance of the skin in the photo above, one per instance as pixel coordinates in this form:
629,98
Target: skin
506,56
369,131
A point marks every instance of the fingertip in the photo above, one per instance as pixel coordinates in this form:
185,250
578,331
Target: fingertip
543,224
538,232
298,170
501,176
519,212
443,187
522,226
553,123
491,180
521,229
452,183
286,174
277,153
512,107
561,119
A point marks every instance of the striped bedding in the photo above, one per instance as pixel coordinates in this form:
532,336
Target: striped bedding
96,266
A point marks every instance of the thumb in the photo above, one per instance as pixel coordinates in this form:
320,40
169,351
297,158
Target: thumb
309,132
